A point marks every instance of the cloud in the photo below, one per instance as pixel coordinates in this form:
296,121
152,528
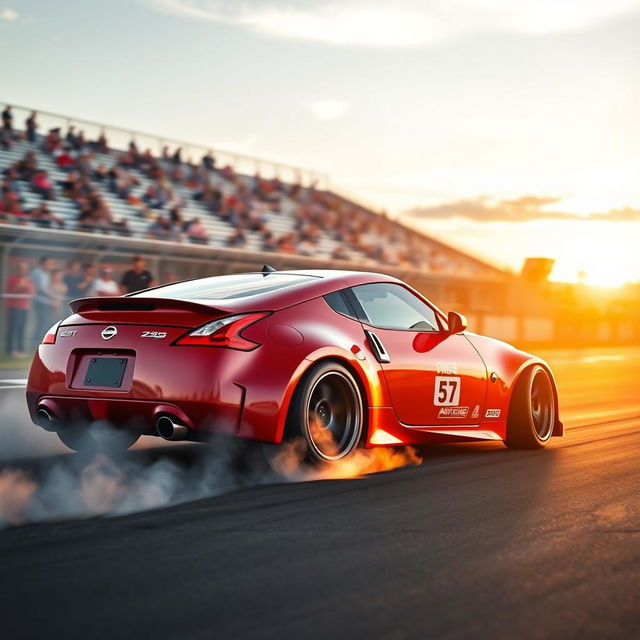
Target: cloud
522,209
627,214
401,23
9,15
327,109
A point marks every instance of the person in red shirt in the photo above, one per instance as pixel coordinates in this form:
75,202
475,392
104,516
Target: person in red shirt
65,160
20,290
53,140
10,209
42,185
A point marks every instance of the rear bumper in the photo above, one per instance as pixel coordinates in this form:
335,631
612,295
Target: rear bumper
209,390
140,415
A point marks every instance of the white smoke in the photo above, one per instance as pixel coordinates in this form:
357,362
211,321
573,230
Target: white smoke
70,488
62,487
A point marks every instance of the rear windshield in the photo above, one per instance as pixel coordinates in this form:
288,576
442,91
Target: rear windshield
240,285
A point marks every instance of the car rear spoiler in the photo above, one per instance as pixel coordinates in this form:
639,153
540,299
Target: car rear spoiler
117,303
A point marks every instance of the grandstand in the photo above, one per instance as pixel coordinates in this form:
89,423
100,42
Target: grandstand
251,213
105,197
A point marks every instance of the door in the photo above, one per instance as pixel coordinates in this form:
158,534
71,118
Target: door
433,377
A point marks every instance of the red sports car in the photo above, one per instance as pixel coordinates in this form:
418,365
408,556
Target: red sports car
342,359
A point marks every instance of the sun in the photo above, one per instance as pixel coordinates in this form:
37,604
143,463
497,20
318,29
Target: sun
596,253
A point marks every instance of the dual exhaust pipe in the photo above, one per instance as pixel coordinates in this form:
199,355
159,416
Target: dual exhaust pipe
46,419
167,427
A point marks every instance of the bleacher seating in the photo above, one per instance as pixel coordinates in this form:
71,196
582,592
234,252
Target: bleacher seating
281,217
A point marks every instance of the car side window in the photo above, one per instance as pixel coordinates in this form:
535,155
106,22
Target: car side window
338,302
391,306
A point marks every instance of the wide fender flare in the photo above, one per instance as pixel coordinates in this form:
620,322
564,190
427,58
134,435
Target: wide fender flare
558,427
366,372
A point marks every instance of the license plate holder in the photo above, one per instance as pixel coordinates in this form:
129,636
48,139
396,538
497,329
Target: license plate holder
105,372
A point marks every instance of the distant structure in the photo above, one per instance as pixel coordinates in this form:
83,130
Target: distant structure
537,270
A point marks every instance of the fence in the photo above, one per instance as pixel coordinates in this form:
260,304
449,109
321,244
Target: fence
505,307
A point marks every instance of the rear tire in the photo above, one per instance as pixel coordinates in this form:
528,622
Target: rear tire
97,438
532,410
327,412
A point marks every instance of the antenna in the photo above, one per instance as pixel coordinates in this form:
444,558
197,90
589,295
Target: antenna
267,268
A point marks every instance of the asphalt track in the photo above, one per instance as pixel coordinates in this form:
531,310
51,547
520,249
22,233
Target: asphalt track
478,541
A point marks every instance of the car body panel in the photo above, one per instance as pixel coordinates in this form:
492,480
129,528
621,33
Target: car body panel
433,378
507,363
248,393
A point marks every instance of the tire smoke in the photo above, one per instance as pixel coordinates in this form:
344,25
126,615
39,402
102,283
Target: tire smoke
152,476
73,488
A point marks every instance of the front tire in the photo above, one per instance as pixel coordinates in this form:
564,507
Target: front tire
327,412
532,410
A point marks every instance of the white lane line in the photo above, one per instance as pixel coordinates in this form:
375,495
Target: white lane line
602,358
587,359
13,383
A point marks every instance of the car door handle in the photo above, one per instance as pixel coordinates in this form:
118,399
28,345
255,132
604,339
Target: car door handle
381,354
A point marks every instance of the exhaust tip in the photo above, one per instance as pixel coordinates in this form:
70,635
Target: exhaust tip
170,429
46,419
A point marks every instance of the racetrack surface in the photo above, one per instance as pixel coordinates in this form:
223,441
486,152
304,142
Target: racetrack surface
478,541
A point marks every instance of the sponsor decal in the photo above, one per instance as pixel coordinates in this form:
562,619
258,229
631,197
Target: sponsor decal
446,392
476,411
109,332
67,334
158,335
492,413
446,367
453,412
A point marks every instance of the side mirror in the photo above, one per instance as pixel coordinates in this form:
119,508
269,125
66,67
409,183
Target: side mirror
457,322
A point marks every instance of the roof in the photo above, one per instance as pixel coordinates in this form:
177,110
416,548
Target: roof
320,282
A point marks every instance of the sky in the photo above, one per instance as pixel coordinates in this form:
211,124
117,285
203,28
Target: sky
507,127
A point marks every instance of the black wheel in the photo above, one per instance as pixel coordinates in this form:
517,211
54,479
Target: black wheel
327,411
97,437
532,410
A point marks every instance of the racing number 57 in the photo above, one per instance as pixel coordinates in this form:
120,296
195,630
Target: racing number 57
447,391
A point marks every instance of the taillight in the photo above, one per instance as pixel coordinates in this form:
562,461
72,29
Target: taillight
224,332
50,336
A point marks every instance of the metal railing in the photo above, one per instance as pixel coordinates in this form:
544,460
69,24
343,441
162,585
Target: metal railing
119,138
186,260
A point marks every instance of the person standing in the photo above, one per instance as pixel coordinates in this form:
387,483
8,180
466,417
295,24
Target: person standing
18,306
88,278
105,285
59,290
169,277
31,125
7,119
137,277
44,298
72,279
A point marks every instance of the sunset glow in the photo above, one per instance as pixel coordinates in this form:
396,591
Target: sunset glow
595,252
415,105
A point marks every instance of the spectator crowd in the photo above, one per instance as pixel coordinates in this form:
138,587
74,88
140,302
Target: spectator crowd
243,203
45,291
